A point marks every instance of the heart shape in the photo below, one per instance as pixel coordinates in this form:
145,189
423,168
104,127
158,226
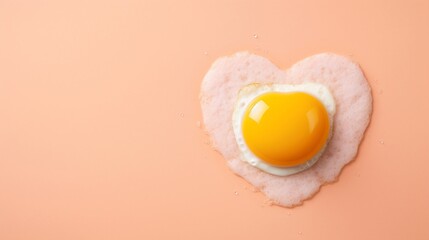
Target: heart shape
347,83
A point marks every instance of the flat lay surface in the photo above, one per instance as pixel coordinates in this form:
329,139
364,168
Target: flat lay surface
101,131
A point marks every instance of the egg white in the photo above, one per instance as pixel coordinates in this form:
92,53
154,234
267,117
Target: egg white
250,92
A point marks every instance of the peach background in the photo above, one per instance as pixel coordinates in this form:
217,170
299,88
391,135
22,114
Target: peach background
99,109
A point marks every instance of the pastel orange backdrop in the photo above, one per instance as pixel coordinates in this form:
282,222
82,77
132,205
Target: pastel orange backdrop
99,111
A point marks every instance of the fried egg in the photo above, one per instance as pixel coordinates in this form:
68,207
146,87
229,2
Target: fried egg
283,129
288,165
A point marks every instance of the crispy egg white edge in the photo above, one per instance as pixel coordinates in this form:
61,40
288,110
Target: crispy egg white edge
250,92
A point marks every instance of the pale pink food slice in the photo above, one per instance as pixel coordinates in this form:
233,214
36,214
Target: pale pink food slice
353,99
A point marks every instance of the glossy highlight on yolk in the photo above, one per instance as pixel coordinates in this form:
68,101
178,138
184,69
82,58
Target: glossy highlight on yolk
285,129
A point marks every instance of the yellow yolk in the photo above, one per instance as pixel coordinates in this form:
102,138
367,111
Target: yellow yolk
285,129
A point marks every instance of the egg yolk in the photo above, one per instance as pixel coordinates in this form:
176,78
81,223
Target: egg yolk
285,129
